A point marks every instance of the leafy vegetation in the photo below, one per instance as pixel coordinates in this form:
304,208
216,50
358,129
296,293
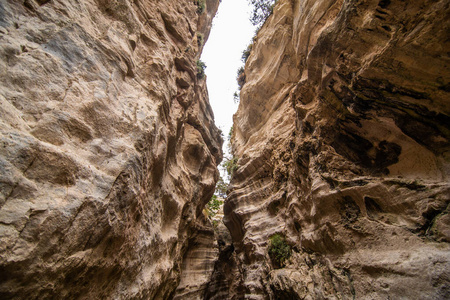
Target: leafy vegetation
246,53
240,77
214,203
230,133
221,187
279,250
262,9
200,39
236,97
201,5
231,165
215,223
213,206
201,66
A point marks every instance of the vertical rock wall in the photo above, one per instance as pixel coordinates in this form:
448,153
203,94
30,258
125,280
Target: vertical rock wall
342,136
108,148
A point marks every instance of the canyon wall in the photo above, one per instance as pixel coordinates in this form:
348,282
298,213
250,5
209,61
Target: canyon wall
342,139
108,147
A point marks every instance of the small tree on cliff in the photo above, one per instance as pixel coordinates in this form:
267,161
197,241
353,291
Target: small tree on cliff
262,9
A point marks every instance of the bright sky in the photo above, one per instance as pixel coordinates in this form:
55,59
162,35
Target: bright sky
230,34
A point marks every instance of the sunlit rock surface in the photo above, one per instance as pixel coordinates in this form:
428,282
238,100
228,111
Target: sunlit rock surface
342,136
108,146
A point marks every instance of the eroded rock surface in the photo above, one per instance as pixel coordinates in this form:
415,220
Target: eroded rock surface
108,146
198,263
342,136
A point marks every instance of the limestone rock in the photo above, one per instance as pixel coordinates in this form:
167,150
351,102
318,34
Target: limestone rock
226,270
342,139
198,263
108,146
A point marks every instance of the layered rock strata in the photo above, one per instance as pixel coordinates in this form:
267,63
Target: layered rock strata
342,139
198,263
108,146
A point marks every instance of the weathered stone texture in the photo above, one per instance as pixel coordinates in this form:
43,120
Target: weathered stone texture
342,136
108,147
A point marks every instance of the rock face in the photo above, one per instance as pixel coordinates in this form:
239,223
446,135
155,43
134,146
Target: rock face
342,136
198,263
226,270
108,146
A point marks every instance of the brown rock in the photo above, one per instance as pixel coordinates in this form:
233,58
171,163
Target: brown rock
342,135
108,147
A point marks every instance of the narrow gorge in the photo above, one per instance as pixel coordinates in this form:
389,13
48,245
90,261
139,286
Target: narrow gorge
109,153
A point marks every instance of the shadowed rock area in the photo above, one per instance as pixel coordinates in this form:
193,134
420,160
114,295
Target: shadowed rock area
342,139
108,148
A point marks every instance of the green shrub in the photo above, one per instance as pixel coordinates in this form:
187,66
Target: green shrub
279,250
230,133
213,206
240,77
215,223
236,97
221,187
200,39
200,6
230,165
200,69
214,203
246,53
